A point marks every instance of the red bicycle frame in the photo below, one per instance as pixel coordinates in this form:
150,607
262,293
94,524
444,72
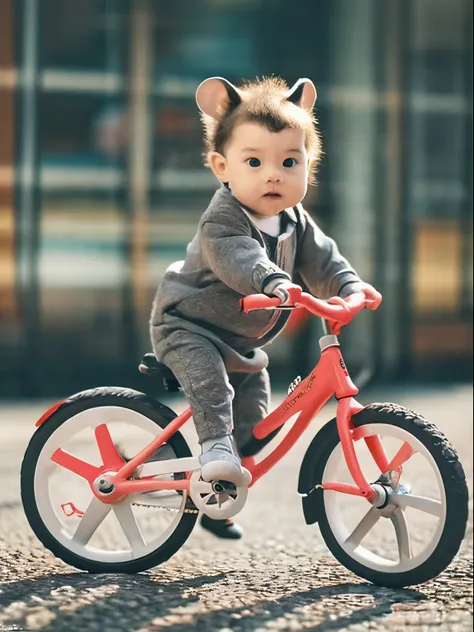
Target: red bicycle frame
329,377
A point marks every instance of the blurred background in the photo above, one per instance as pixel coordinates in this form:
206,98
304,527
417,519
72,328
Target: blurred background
102,183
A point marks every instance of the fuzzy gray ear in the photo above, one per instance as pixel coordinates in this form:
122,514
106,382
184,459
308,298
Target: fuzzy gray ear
215,95
303,93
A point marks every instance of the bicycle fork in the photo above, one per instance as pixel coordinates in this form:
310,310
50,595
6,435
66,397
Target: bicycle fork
348,434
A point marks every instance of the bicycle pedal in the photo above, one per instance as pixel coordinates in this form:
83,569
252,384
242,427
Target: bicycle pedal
223,487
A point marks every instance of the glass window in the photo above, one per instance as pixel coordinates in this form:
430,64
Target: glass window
10,325
83,137
83,144
217,38
438,149
438,168
83,272
84,35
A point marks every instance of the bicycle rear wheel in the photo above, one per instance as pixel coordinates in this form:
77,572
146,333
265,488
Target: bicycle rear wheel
131,536
418,526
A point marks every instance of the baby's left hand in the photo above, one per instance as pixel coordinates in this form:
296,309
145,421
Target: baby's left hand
372,296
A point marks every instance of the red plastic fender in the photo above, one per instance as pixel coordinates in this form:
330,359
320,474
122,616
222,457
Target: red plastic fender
49,412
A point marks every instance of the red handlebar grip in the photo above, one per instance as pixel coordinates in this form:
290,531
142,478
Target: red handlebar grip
336,309
258,301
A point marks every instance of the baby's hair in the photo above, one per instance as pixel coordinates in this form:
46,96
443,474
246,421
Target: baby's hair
269,103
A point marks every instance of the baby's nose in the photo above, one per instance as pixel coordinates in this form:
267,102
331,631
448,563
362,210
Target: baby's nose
274,175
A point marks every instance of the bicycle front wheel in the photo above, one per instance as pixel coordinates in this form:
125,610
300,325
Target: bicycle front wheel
141,531
415,528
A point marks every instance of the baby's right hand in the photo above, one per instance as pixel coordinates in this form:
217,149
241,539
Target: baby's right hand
282,291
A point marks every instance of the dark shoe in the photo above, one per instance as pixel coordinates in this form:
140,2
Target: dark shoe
226,529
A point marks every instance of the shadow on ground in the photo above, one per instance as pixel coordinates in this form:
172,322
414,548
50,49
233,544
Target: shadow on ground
149,602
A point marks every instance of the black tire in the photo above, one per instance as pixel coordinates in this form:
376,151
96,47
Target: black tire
105,396
453,478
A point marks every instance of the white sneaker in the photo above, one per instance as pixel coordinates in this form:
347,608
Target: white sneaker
219,462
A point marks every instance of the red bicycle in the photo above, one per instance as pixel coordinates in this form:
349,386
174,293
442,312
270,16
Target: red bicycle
366,477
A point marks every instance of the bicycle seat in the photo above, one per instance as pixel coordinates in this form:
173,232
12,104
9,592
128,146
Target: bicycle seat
150,366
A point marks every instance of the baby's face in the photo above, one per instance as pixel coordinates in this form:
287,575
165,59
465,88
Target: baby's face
266,171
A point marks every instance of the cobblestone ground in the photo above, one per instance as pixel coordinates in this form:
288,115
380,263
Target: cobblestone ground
280,576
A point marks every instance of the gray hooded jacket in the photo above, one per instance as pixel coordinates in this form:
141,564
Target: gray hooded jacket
227,260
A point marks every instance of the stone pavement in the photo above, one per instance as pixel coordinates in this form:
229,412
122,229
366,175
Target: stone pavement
280,576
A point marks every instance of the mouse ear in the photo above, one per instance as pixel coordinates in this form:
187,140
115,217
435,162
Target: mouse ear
303,93
215,95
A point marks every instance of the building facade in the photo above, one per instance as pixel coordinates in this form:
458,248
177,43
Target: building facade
102,182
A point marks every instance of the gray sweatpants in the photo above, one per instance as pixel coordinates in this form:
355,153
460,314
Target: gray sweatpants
220,402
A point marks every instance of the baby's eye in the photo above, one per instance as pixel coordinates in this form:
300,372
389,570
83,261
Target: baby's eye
254,162
289,162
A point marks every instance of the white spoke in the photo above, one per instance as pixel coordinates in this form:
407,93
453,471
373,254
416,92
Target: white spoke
170,500
433,507
125,516
201,487
90,521
365,525
222,498
403,539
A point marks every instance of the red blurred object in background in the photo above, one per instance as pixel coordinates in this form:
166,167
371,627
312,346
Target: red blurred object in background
297,320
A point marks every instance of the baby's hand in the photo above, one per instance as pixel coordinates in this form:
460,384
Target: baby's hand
372,296
282,291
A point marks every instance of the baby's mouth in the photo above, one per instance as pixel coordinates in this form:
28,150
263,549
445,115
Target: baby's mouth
272,194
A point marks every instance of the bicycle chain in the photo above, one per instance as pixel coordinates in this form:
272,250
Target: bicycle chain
187,510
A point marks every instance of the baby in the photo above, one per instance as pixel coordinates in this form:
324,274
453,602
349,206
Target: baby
255,237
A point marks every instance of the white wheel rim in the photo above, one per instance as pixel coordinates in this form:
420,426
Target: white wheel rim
78,540
354,538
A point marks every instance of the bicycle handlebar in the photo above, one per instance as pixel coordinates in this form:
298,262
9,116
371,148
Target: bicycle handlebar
336,309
